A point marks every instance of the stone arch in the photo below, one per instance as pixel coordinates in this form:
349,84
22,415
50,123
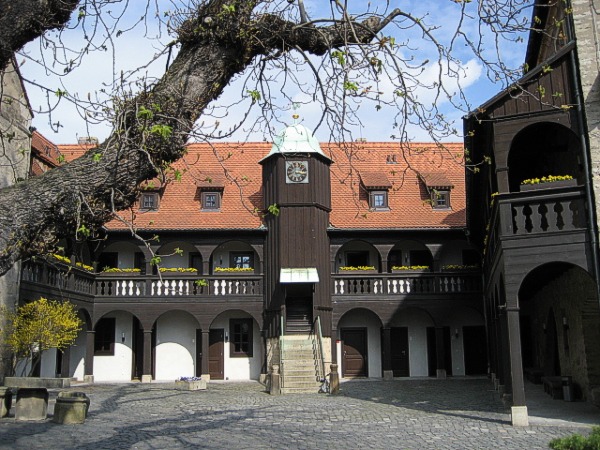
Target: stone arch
175,347
559,315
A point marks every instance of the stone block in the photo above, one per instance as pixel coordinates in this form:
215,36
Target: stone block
519,417
37,382
32,404
71,407
5,401
388,375
146,378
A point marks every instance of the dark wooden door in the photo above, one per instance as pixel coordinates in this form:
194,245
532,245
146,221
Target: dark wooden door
216,346
474,342
432,350
137,344
198,369
354,351
400,361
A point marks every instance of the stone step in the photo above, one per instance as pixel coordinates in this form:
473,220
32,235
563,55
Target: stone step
301,390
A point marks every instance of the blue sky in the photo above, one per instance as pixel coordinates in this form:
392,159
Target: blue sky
135,48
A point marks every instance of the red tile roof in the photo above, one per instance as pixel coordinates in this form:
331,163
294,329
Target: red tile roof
234,169
375,180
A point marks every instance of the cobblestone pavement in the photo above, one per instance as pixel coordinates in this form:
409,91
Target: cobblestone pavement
400,414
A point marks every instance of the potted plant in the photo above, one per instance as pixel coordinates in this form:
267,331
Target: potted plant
190,384
460,268
115,270
177,271
547,182
233,270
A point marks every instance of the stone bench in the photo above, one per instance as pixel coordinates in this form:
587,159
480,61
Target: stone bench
553,386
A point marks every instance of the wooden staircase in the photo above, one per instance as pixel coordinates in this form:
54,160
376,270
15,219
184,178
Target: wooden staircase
299,365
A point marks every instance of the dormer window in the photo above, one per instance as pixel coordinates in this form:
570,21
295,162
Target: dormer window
149,201
211,188
378,200
211,201
377,185
439,187
440,198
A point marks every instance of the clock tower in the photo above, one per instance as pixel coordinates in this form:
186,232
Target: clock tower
296,180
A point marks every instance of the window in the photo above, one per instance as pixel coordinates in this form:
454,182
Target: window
108,259
139,262
149,201
357,259
211,201
196,261
470,257
104,338
240,344
378,200
241,260
440,199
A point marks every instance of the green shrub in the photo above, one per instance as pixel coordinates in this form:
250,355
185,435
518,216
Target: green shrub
578,442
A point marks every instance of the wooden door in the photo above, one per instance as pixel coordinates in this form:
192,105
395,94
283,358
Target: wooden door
474,343
216,346
400,355
354,350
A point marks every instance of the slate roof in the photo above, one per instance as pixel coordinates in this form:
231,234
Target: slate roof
233,169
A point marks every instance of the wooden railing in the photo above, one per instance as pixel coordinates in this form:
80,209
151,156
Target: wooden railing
407,284
177,286
541,212
58,276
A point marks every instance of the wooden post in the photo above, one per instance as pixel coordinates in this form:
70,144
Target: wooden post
88,374
440,353
205,346
386,337
147,366
519,408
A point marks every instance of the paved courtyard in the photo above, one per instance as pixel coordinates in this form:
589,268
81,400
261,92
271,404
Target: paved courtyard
402,414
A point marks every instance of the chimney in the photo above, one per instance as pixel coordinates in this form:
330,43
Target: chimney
88,140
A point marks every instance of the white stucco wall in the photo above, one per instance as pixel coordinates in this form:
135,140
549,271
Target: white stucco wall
175,345
240,368
118,366
48,364
77,361
456,319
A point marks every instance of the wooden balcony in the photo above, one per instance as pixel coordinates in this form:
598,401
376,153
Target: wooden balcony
539,220
64,281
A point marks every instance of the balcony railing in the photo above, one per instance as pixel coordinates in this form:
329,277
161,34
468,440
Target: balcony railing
544,212
407,284
125,286
59,276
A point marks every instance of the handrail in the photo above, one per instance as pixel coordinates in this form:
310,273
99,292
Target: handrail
321,355
281,345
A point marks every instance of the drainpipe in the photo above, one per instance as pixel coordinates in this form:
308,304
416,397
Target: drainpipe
591,216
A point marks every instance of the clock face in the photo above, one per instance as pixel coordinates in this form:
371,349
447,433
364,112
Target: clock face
296,171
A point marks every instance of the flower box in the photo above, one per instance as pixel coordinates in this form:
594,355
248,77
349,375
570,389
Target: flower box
195,385
550,185
411,269
358,272
218,271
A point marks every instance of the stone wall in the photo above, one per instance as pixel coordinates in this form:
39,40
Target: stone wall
586,17
15,147
572,296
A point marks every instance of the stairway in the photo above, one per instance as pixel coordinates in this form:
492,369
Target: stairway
299,366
